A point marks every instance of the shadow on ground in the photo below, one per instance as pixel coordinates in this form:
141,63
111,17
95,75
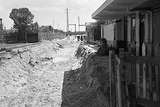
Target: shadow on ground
80,90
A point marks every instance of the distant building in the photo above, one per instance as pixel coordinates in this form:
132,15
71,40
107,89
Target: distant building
93,31
1,25
1,31
46,29
49,33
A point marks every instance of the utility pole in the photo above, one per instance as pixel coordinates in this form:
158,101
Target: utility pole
53,23
67,29
78,23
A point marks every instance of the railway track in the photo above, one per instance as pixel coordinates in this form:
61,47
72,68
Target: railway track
6,48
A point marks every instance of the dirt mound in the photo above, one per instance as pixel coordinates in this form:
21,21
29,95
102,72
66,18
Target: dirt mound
87,86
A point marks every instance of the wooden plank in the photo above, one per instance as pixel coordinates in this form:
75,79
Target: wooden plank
150,77
110,77
157,78
151,27
119,83
158,82
144,81
147,27
137,53
129,29
142,59
137,33
137,79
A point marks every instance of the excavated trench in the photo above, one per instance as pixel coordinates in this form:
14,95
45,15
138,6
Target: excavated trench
59,73
32,76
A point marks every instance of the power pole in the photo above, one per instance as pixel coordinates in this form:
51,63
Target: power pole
53,22
78,23
67,29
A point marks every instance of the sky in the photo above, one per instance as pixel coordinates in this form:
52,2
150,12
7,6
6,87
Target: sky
52,12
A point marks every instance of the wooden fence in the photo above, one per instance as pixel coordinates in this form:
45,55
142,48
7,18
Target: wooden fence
134,81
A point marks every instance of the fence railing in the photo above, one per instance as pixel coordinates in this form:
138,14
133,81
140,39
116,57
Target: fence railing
134,81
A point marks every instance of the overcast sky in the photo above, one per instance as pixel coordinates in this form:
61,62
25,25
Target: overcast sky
51,12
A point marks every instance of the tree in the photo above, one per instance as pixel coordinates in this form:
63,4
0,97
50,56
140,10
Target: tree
46,28
22,18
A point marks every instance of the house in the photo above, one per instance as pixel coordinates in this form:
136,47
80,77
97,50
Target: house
93,31
1,25
135,26
1,31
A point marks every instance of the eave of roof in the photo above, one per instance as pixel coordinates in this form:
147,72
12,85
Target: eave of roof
112,9
147,5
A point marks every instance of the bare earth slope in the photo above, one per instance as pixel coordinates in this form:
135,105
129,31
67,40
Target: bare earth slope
32,76
86,86
53,74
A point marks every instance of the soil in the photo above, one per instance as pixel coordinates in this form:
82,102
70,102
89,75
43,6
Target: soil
86,86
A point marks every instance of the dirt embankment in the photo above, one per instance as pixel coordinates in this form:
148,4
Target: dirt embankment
24,79
32,76
87,86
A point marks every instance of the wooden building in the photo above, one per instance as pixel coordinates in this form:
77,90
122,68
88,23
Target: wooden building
93,31
1,31
135,78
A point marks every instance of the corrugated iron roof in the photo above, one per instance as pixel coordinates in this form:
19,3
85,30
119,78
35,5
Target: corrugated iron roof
113,9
